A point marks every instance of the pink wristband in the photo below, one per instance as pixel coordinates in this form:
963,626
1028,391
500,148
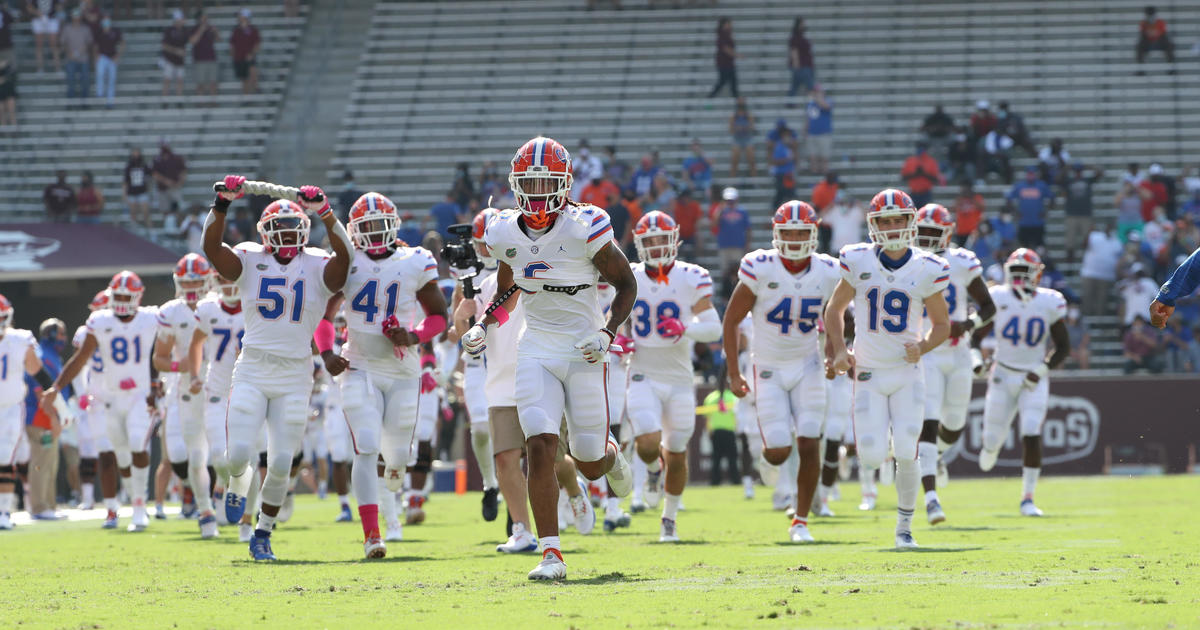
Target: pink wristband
430,327
324,335
501,315
174,366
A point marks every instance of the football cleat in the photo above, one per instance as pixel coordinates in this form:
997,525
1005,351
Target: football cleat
748,487
208,525
781,501
868,503
188,508
823,509
844,463
491,507
235,506
345,516
933,510
288,508
414,512
260,547
551,567
521,541
393,478
904,540
245,532
140,520
373,547
799,533
1029,509
161,514
653,488
395,532
110,521
943,474
668,533
621,520
987,459
583,515
218,499
620,477
637,506
5,521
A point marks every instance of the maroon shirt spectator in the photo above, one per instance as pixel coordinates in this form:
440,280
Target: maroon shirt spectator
108,42
725,56
174,43
169,171
90,201
1156,198
136,176
800,59
244,42
204,43
983,121
59,199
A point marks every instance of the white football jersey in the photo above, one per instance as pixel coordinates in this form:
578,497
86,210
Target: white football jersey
1022,327
282,304
176,320
14,345
964,268
500,354
486,296
376,289
88,380
889,304
787,307
125,347
224,332
665,360
556,277
745,355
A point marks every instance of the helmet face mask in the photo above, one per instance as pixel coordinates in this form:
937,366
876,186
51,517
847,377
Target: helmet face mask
1023,272
284,229
656,239
931,238
540,180
795,242
192,275
6,313
125,294
373,224
892,230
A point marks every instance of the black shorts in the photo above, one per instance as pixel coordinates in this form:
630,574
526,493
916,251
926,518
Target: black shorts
241,69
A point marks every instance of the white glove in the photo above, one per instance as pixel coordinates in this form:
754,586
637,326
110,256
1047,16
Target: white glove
595,346
977,366
473,340
1040,373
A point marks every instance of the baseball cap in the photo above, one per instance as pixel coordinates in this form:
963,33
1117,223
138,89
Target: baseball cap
1155,169
729,194
982,104
176,14
244,13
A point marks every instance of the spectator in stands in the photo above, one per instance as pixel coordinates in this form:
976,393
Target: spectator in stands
983,121
961,159
726,59
1012,124
1191,208
1137,292
135,188
938,130
91,14
845,221
697,170
8,92
1054,278
1129,208
1152,35
1165,190
1030,198
819,131
77,45
985,242
446,213
921,173
643,178
618,170
410,229
968,210
686,212
587,167
824,192
203,41
800,59
244,43
47,17
345,199
741,129
110,44
1142,348
462,188
1077,193
490,183
59,199
993,156
191,230
169,171
779,133
1053,160
89,200
1177,346
732,229
618,215
1005,229
662,193
597,191
7,18
1156,194
783,168
626,209
174,47
1077,331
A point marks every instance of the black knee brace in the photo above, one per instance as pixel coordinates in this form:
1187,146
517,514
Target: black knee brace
87,468
22,470
180,469
299,457
8,474
929,431
424,457
262,459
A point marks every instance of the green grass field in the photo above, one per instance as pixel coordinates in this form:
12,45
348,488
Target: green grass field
1109,553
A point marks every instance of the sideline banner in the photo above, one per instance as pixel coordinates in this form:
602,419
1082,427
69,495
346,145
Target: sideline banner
52,251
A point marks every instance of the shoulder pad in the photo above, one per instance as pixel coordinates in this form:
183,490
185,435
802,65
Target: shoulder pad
250,246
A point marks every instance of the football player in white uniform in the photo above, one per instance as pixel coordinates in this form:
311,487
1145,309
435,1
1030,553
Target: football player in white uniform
217,334
554,252
1018,382
187,444
18,357
284,289
785,290
95,451
337,431
889,283
949,367
673,309
386,286
124,335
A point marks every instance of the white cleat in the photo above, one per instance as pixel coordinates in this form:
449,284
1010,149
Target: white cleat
868,503
1029,509
668,533
823,509
5,521
987,459
374,548
245,532
219,501
208,525
393,478
844,463
288,508
781,501
521,541
565,516
583,515
942,477
395,532
551,567
652,490
799,533
748,487
140,520
904,540
620,477
933,510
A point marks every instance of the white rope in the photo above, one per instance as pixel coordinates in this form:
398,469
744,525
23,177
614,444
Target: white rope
275,191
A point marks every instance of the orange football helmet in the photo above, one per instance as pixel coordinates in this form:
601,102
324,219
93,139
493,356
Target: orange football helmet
540,180
656,225
284,228
935,226
100,301
6,312
892,203
192,274
125,293
373,224
790,218
1023,271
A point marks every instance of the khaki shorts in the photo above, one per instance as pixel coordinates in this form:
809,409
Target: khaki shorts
1077,229
505,429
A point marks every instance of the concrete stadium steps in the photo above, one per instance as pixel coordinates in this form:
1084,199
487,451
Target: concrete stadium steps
218,135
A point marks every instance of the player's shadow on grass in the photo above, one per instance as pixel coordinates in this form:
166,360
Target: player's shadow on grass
615,577
818,543
960,528
680,543
932,550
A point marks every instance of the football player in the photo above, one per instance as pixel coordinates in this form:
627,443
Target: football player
554,252
95,451
837,430
290,286
124,335
1018,382
889,282
949,367
216,335
18,357
747,416
187,443
1181,283
785,289
337,431
380,390
673,309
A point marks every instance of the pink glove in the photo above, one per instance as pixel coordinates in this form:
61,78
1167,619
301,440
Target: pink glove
671,327
85,401
233,184
314,196
721,406
390,324
428,382
128,384
624,342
